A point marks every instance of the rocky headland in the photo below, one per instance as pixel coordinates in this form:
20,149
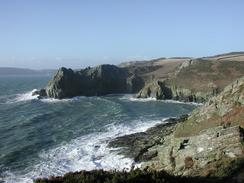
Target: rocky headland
184,79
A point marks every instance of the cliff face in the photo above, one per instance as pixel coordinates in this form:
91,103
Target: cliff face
101,80
196,80
162,90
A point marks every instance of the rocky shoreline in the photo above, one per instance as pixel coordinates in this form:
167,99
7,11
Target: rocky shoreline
214,151
208,154
136,145
209,143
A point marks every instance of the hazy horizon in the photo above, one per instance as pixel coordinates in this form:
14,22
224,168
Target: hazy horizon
50,34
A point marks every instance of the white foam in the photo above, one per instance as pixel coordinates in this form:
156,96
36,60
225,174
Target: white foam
53,100
180,102
84,153
149,99
132,98
23,97
28,96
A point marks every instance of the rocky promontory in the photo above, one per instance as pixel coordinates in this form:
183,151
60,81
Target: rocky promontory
184,79
100,80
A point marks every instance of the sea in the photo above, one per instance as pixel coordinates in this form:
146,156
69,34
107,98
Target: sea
50,137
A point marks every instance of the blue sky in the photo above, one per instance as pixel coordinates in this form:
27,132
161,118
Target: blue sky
77,33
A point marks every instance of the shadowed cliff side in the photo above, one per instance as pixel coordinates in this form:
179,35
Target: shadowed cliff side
100,80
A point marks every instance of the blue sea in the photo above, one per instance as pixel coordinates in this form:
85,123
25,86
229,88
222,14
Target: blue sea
42,138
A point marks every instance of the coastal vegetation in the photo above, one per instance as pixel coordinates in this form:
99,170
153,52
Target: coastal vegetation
134,176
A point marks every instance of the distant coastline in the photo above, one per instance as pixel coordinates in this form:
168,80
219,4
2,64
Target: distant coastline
6,71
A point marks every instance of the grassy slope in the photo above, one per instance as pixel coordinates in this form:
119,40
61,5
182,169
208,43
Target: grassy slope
203,75
225,109
158,68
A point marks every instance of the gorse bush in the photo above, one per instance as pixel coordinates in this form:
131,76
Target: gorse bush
134,176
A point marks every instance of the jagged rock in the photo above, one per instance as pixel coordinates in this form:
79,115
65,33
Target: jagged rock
210,146
134,83
163,90
136,145
153,90
101,80
41,92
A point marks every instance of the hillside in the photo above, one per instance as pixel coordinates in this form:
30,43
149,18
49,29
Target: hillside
196,79
226,109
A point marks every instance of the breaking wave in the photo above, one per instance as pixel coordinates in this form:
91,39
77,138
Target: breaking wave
132,98
84,153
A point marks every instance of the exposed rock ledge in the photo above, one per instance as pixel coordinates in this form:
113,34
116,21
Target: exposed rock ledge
214,152
162,90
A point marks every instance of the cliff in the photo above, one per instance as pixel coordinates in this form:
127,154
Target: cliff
185,79
196,80
100,80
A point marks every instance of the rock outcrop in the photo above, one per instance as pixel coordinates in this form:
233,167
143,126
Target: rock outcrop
226,109
162,90
209,153
96,81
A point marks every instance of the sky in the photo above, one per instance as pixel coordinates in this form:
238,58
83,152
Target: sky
42,34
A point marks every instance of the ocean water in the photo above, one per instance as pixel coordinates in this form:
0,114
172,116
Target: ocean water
41,138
